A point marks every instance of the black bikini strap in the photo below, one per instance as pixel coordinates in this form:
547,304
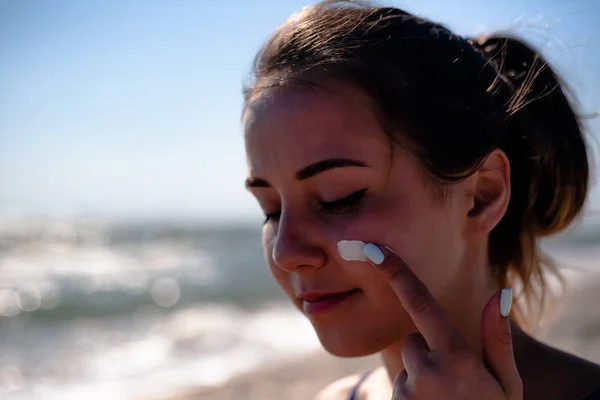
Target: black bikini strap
354,392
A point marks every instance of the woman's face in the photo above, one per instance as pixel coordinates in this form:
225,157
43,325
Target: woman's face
322,170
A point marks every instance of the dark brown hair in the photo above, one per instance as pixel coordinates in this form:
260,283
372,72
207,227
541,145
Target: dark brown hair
454,101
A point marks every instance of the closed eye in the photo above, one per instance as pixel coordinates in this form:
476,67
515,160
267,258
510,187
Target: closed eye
272,216
348,204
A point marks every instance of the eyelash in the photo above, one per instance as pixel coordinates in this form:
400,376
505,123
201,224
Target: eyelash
345,205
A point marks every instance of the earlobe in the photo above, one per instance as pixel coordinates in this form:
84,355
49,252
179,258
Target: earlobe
491,193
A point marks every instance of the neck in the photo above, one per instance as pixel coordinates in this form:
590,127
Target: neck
465,311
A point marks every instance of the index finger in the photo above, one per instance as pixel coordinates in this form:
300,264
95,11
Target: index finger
429,318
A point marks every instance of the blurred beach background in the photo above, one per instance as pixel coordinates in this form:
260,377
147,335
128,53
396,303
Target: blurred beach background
130,254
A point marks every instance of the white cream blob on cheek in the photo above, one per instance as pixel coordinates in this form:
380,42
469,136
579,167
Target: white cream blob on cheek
351,250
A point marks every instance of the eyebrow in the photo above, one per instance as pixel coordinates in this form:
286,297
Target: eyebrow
312,170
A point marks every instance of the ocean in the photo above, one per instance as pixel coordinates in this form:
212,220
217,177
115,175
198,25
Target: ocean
99,309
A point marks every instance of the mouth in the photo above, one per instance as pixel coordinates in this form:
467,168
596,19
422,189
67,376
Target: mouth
320,302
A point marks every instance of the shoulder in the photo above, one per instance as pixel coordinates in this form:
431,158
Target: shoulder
340,389
593,396
579,372
566,375
376,385
584,376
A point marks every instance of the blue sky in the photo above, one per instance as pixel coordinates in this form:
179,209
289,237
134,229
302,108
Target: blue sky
131,108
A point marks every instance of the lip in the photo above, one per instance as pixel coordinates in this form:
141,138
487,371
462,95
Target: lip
317,302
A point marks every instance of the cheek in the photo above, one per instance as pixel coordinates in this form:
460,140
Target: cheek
424,235
433,250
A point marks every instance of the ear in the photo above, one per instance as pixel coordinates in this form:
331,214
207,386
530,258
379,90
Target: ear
489,194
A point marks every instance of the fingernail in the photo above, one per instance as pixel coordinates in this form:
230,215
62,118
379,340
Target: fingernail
373,253
351,250
506,299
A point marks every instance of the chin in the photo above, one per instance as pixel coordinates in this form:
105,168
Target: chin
347,343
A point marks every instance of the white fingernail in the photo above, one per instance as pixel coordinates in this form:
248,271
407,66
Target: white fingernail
351,250
506,299
373,253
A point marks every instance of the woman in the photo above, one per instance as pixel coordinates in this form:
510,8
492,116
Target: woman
434,164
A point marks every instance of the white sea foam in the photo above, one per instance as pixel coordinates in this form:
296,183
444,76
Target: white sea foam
204,345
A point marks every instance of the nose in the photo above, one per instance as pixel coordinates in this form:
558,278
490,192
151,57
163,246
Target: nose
298,244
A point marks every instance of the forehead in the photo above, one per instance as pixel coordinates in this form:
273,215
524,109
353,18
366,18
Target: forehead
288,129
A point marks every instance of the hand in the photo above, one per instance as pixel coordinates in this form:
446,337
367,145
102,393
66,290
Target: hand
438,361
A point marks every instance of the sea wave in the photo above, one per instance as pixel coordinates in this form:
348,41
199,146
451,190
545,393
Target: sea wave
204,345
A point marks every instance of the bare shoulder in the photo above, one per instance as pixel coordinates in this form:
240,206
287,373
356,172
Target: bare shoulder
580,373
340,389
561,375
376,386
